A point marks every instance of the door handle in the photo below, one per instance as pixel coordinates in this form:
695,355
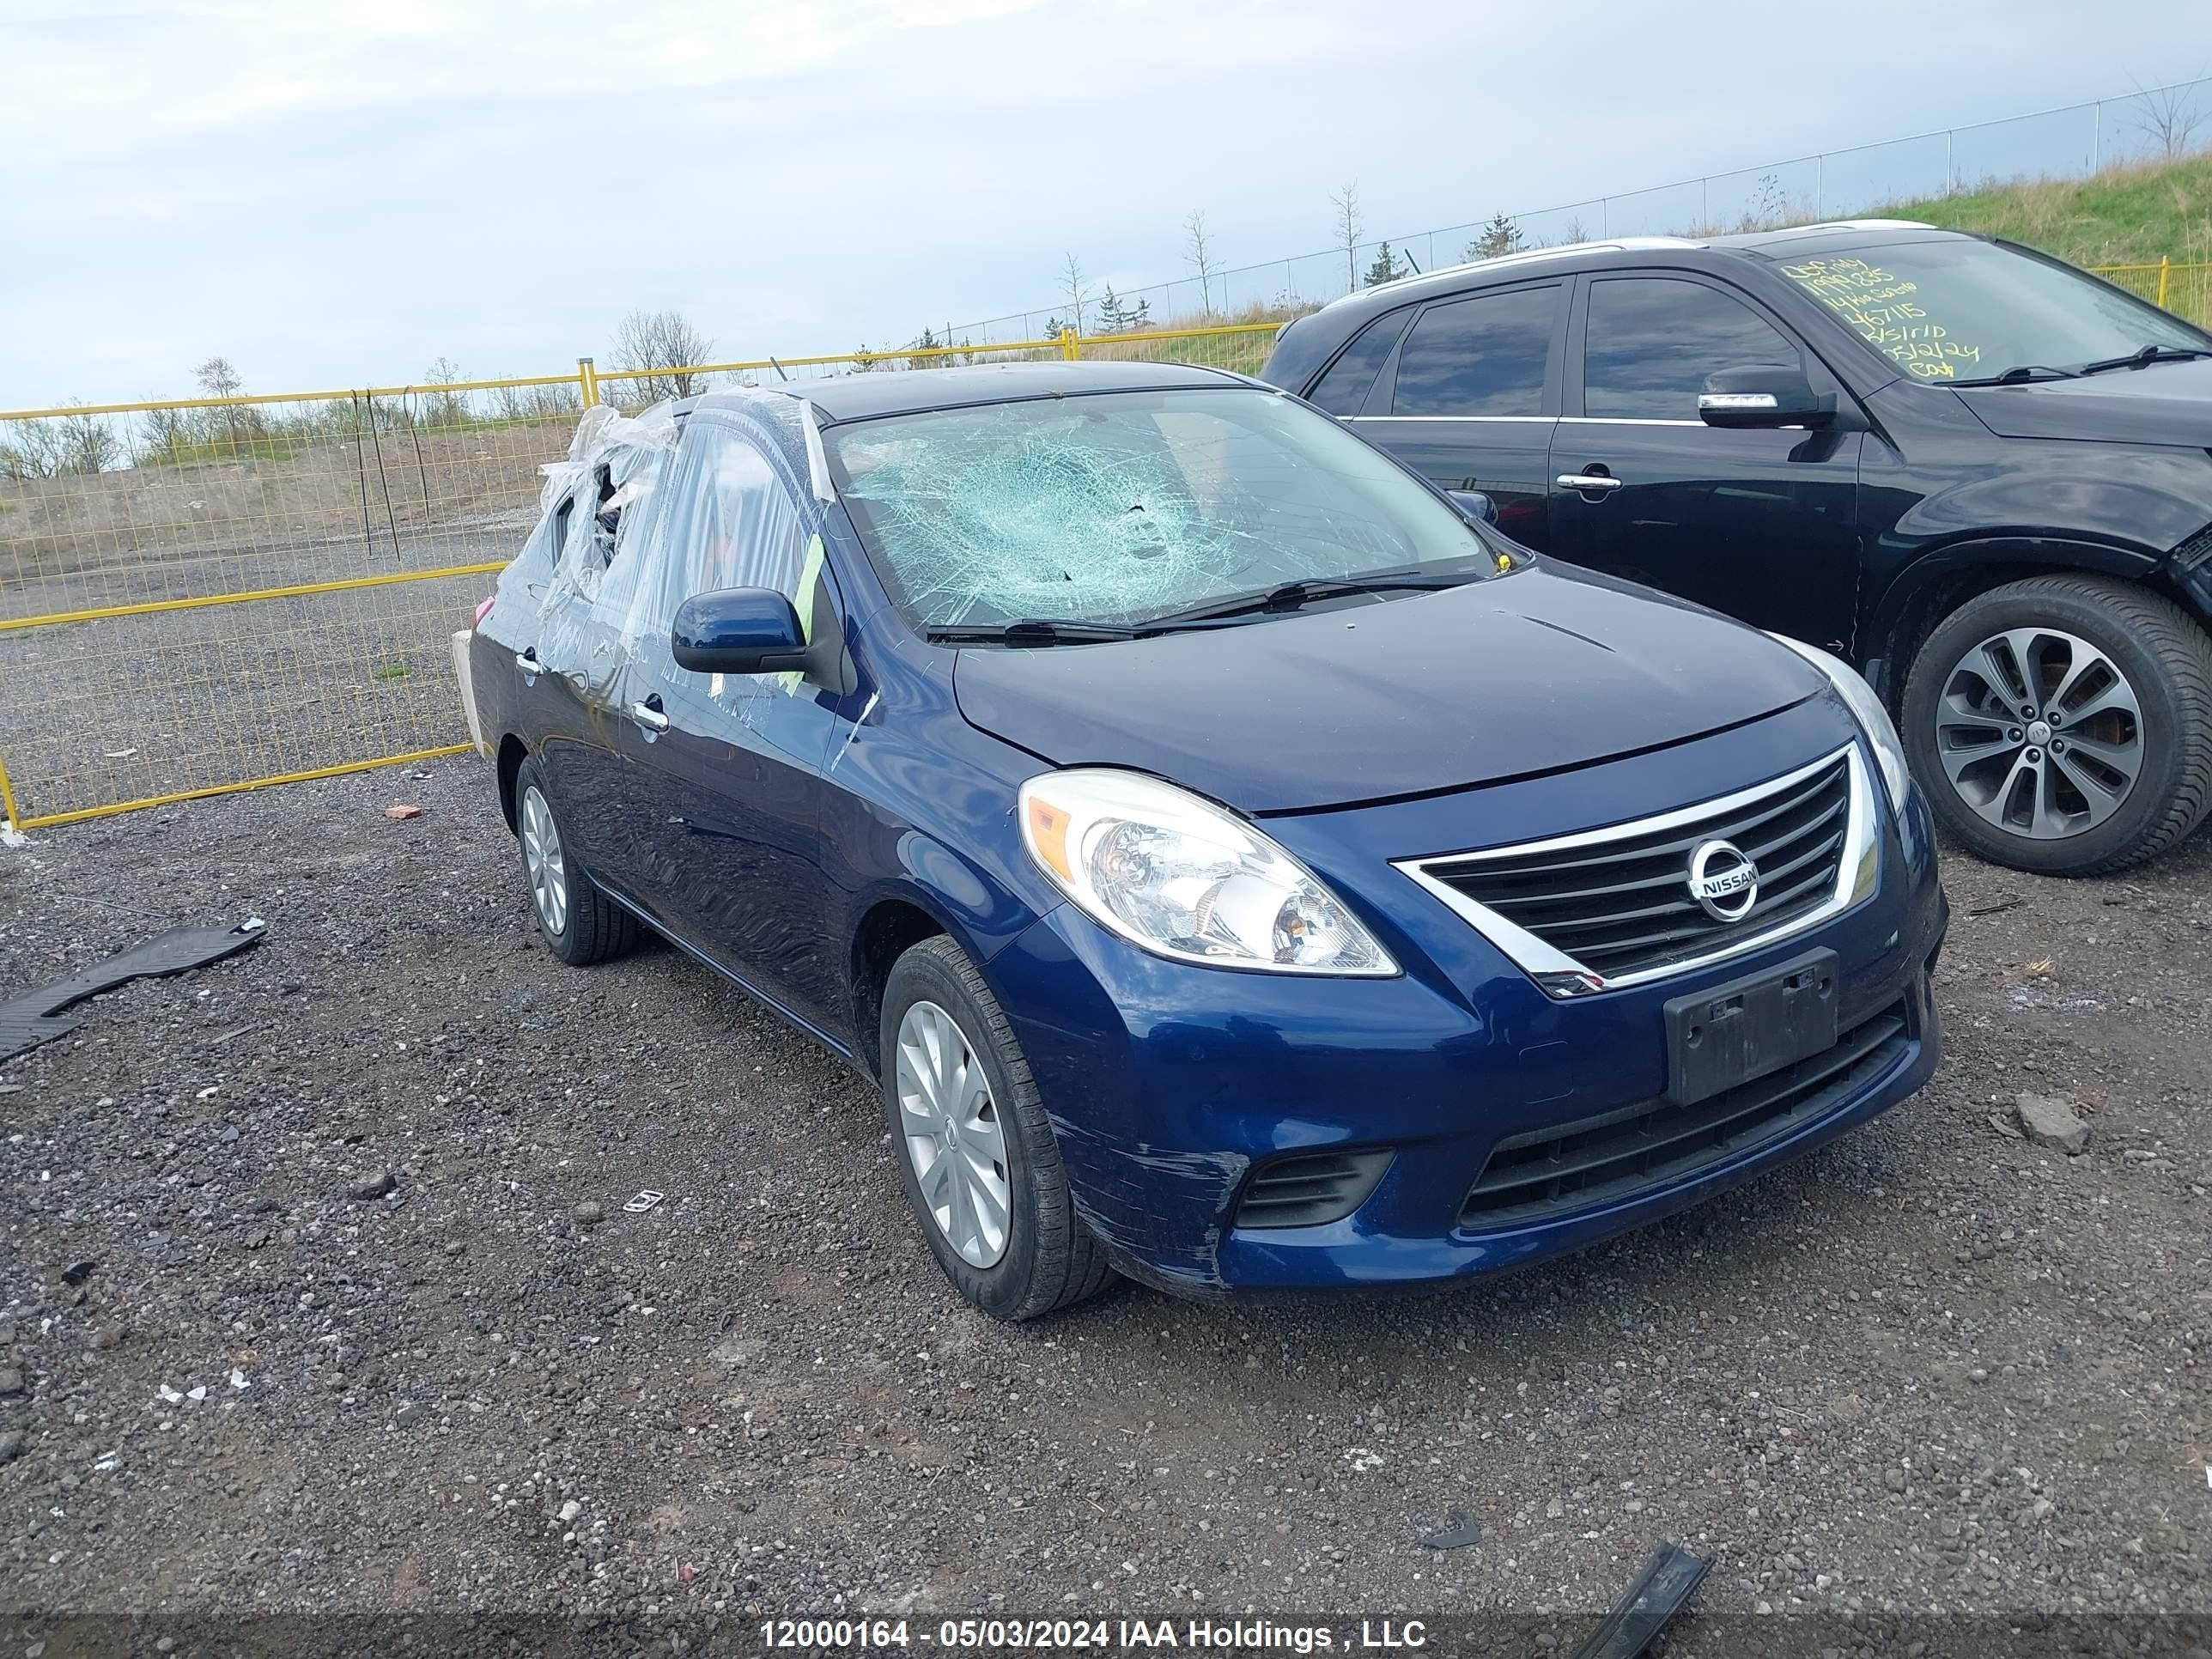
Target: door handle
528,666
650,721
1600,482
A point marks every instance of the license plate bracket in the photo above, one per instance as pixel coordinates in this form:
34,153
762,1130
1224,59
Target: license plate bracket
1718,1038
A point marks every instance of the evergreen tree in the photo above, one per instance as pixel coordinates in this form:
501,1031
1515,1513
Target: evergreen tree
1500,236
1386,268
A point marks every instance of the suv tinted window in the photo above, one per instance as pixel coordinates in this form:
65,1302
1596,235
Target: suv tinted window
1483,356
1650,342
1344,389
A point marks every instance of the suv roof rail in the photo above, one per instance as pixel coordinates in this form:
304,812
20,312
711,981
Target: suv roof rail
1527,255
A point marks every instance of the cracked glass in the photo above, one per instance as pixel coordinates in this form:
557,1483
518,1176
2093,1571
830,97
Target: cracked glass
1120,507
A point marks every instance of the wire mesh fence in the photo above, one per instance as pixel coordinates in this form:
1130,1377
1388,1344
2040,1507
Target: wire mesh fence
203,595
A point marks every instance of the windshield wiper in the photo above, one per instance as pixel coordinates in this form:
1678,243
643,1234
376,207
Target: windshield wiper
1029,630
2019,374
2147,354
1293,595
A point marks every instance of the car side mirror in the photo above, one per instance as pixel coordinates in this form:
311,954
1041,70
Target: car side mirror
1476,504
738,630
1764,395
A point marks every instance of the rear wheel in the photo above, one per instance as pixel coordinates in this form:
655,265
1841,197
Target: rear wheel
981,1163
578,922
2063,724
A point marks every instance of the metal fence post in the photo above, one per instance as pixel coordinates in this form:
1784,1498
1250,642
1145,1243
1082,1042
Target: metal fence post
1820,184
2164,268
1069,347
587,383
1950,168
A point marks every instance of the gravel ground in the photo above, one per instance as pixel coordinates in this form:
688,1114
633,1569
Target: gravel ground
1938,1381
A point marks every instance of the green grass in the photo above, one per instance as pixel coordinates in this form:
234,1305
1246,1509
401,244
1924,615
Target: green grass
2131,215
218,449
389,671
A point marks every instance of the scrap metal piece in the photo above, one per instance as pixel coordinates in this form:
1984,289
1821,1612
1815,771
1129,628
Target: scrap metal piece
34,1016
1667,1579
1459,1535
644,1201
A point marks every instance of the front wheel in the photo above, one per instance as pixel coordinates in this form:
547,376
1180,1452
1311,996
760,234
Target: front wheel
2063,724
980,1163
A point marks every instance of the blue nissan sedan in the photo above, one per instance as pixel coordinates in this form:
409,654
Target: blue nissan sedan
1238,865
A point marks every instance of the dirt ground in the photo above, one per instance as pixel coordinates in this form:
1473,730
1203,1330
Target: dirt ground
363,1187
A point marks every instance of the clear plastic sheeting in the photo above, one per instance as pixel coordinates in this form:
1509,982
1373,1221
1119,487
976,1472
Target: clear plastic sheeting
1115,508
590,502
726,519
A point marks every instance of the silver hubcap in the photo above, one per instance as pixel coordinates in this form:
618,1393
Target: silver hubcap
950,1126
541,860
2039,733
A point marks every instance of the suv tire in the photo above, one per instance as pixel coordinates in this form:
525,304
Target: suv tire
2062,725
985,1142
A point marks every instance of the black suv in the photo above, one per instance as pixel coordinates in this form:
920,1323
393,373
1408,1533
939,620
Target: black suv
1977,473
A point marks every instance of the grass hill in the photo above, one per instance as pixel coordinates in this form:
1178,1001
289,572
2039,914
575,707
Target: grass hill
2132,215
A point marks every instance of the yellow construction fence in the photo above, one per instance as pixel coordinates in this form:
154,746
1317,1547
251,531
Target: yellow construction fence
204,595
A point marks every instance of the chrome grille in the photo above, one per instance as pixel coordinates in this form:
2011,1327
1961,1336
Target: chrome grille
1614,906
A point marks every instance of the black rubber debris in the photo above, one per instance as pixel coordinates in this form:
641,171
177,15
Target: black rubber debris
1459,1535
34,1016
1667,1580
78,1271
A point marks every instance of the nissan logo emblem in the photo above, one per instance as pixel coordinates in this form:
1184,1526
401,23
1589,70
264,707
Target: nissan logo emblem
1722,880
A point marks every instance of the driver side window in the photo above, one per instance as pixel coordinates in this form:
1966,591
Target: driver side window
1650,341
721,518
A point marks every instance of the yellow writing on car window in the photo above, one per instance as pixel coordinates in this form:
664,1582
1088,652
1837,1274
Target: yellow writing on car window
1883,311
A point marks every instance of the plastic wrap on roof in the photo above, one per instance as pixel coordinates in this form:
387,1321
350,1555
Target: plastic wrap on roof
996,517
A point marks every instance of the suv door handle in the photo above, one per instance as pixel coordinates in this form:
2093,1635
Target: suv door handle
650,717
527,664
1600,482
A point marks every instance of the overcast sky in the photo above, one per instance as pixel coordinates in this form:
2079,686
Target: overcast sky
336,193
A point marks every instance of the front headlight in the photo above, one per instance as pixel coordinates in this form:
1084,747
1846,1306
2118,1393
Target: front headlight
1181,877
1873,720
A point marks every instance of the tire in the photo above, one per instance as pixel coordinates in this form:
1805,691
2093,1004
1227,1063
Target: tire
1045,1257
579,923
2048,796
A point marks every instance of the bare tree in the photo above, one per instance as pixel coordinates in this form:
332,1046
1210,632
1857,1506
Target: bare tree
446,408
1348,229
663,340
2168,116
59,447
1198,254
1071,283
219,379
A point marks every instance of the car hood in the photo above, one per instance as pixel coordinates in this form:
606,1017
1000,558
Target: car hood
2168,403
1537,671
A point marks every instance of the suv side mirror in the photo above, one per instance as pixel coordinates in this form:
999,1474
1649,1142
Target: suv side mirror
738,630
1764,395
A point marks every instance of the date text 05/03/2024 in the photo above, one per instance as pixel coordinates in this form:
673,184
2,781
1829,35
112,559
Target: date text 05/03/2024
1095,1635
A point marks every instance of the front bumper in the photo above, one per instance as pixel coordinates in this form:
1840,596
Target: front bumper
1169,1084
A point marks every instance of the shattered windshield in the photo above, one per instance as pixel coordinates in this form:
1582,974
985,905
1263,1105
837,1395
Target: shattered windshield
1122,507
